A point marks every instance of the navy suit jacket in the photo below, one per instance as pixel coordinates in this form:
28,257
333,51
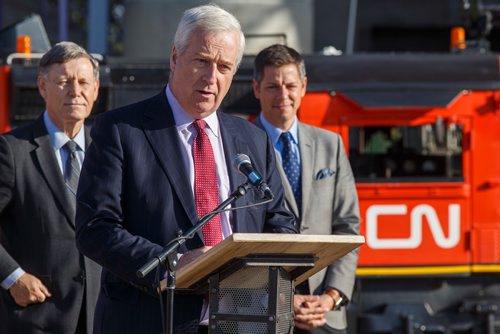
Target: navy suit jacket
135,195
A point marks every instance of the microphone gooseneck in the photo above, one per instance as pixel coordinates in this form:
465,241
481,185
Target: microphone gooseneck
242,163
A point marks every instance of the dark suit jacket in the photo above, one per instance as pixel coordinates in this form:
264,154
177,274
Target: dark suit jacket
37,232
329,206
135,195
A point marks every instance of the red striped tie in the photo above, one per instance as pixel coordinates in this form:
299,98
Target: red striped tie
206,189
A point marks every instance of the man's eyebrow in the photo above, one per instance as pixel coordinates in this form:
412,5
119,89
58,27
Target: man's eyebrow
208,56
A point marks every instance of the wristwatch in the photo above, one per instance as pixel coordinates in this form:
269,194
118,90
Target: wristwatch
338,299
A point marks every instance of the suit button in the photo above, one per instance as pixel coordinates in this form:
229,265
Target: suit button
80,278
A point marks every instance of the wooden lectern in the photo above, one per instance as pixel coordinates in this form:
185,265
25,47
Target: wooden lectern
251,277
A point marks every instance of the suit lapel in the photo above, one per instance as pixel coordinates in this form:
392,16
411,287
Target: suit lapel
232,146
289,197
307,159
88,139
159,128
50,169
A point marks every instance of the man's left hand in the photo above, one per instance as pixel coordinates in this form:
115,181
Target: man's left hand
310,310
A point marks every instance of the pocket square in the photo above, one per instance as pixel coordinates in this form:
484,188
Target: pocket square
325,172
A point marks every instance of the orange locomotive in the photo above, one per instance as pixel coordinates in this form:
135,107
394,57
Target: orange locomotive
423,136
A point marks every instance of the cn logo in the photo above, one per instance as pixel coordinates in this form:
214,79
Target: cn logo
416,224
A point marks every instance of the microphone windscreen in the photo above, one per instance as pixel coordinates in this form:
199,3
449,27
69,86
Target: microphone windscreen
240,159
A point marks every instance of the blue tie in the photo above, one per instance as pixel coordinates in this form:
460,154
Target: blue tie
291,167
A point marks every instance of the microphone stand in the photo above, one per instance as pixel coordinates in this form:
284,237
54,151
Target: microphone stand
169,253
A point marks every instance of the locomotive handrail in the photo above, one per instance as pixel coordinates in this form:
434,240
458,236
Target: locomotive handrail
26,56
29,56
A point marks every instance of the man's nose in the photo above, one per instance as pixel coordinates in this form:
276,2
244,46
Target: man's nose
283,91
211,73
75,88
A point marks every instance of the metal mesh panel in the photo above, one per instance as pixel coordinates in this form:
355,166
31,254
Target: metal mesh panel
284,326
285,287
245,292
28,104
241,327
246,302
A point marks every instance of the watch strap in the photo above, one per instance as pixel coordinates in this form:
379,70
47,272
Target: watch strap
338,299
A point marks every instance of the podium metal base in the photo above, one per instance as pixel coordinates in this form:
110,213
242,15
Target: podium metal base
254,295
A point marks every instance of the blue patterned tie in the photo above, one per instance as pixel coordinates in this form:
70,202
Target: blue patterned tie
291,167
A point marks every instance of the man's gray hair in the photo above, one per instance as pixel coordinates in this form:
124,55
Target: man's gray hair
209,18
63,52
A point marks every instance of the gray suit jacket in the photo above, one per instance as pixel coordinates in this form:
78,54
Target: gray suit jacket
37,233
329,206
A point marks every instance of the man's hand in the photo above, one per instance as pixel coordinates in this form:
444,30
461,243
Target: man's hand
29,290
310,310
192,255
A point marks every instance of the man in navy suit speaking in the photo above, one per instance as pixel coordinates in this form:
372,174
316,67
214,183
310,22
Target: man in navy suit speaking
154,167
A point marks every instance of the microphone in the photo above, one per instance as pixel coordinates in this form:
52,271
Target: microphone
242,164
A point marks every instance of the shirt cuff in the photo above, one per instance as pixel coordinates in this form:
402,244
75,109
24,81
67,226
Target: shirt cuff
12,278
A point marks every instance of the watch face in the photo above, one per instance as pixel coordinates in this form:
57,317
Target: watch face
338,304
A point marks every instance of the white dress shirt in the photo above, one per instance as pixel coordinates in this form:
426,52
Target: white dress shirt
187,132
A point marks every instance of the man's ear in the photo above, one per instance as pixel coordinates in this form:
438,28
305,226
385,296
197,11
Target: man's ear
96,89
173,59
256,91
304,86
42,85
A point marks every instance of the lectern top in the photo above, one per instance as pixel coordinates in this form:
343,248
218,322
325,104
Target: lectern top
324,248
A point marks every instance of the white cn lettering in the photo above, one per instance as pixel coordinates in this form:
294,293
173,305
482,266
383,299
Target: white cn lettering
416,225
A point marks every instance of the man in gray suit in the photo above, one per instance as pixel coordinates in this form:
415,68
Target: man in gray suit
318,181
47,285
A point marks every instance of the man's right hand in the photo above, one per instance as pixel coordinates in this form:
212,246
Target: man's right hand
29,290
192,255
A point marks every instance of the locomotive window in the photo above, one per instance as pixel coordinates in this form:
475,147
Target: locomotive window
426,153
